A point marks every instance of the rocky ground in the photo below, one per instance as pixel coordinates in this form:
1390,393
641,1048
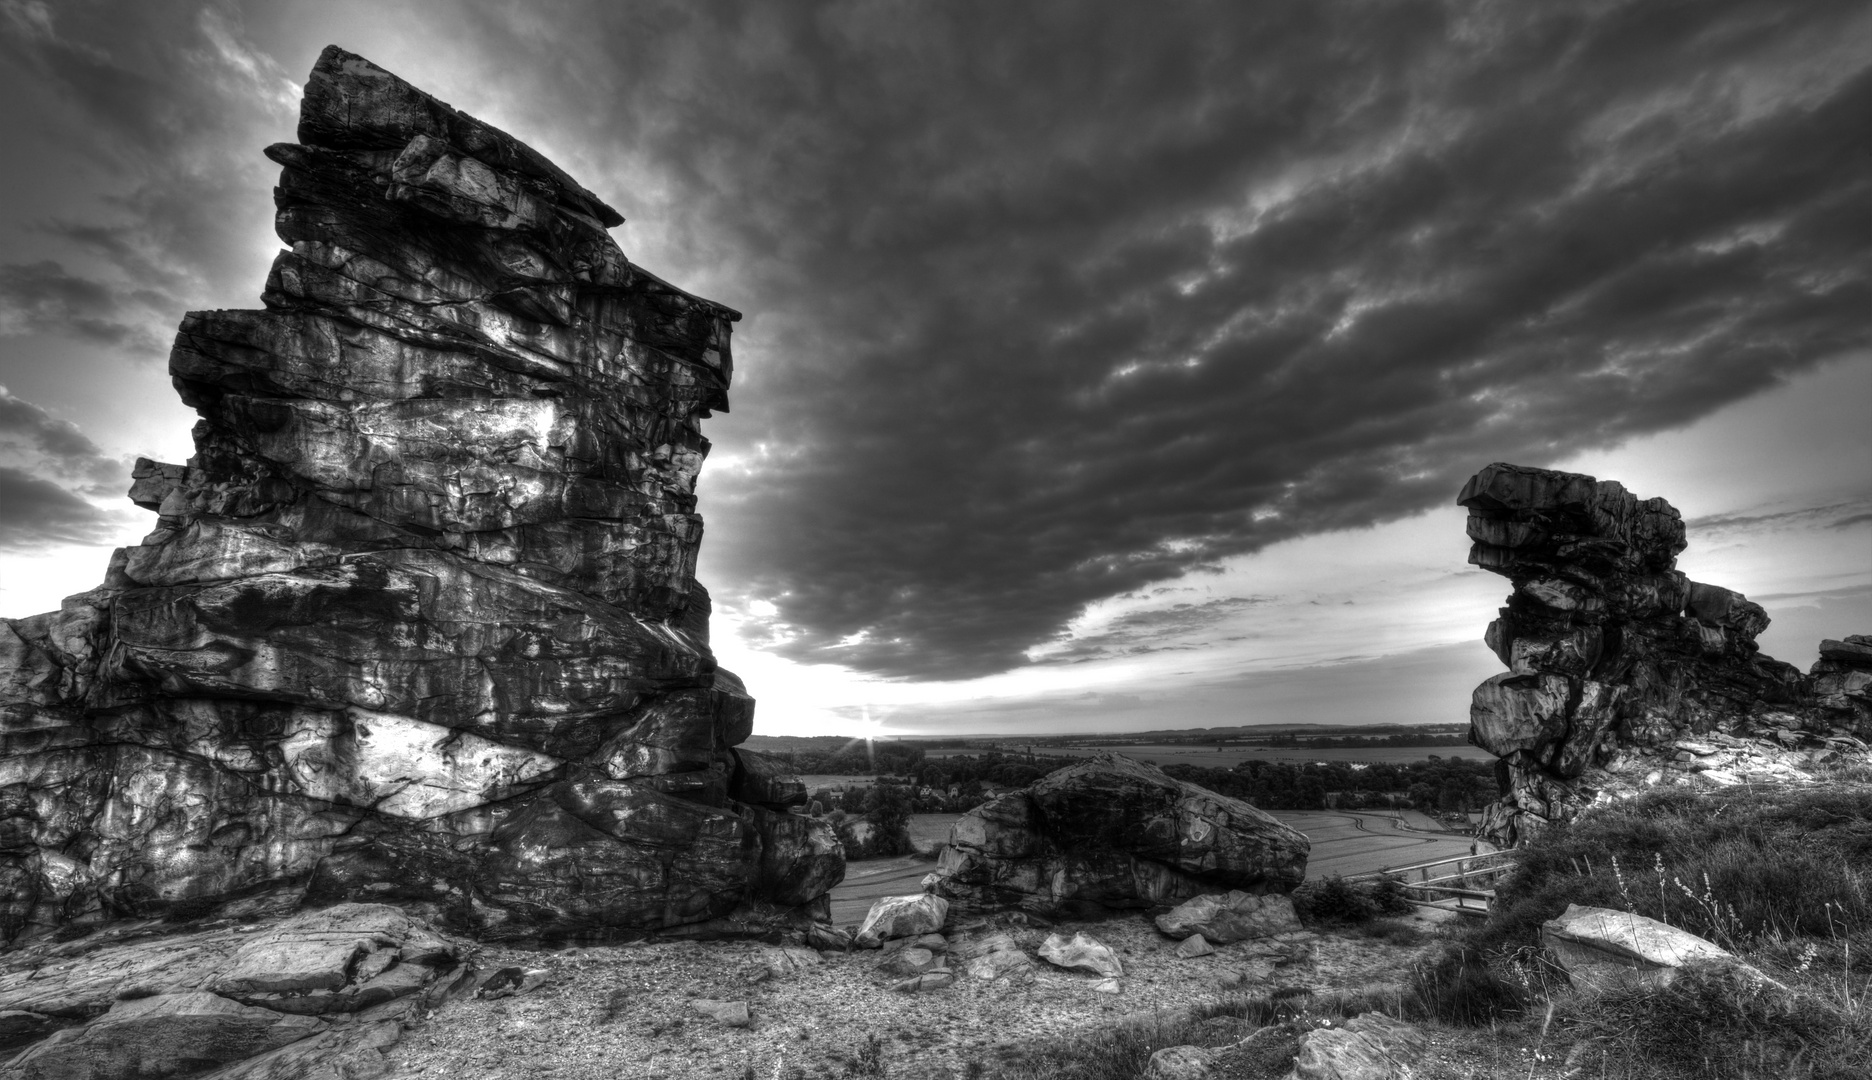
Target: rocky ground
640,1011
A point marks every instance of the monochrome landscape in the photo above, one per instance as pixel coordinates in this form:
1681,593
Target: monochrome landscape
1161,624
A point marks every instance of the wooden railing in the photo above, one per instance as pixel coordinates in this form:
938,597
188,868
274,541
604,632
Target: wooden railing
1473,879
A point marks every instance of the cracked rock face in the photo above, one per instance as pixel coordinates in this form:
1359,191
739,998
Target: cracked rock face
419,619
1623,672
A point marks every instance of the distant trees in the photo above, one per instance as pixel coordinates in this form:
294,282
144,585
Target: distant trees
960,783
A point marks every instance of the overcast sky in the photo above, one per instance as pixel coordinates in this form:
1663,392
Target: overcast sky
1106,365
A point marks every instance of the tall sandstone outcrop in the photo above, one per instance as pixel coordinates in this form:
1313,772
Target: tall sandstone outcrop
1622,671
419,619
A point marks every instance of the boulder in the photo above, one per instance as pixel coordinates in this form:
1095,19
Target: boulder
1194,946
1082,950
995,957
1112,833
1370,1046
1603,948
1179,1063
418,620
1614,655
1227,918
902,917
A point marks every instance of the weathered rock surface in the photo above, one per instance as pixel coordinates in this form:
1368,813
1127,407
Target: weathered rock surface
1370,1046
268,998
1231,917
1082,950
1179,1063
164,1035
902,917
1602,948
419,619
1622,671
1113,833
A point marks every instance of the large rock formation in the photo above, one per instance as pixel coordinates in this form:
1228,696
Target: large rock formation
1113,833
419,619
1622,670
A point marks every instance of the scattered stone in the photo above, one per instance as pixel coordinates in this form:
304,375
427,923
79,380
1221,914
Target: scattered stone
828,938
509,981
1225,919
1082,950
911,961
1179,1063
1370,1046
931,980
900,917
781,961
729,1013
994,957
1194,946
1603,948
1112,833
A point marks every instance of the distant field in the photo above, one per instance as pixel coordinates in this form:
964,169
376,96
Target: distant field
1229,757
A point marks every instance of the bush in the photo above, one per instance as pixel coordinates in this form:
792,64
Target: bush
1714,1020
1335,900
1739,866
1460,986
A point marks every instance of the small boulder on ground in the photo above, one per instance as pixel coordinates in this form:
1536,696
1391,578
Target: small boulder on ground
1082,950
1224,918
728,1013
1193,946
1370,1046
929,980
1179,1063
1602,948
914,960
902,916
1112,833
994,957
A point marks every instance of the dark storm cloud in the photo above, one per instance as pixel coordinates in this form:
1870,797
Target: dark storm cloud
1050,302
163,108
40,513
56,452
47,467
43,298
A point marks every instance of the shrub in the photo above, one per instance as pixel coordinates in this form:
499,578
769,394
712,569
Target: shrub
1335,900
1737,866
1460,986
1719,1021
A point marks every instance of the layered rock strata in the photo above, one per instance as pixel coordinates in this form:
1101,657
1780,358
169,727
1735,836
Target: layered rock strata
1113,833
1623,671
419,619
